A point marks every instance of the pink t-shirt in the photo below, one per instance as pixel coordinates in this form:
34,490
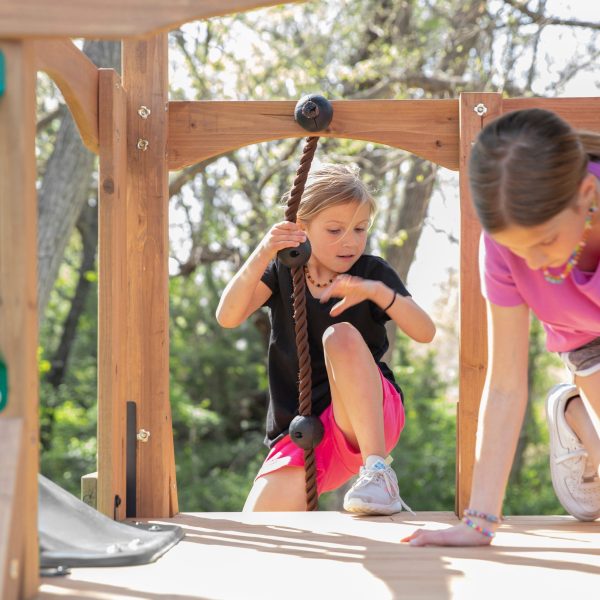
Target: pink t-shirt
569,312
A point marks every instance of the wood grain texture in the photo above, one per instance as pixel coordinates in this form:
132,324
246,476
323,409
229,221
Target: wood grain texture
145,79
111,18
199,130
473,328
12,517
18,278
77,78
257,556
113,364
580,113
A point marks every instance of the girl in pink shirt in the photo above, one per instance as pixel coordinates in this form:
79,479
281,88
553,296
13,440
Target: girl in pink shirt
536,188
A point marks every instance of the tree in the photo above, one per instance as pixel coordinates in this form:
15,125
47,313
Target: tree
220,208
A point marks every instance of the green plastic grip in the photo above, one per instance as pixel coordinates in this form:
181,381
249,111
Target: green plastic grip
2,74
3,384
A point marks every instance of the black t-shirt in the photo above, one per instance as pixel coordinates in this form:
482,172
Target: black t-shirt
367,317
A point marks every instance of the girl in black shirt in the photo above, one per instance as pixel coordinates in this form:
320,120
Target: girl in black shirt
353,392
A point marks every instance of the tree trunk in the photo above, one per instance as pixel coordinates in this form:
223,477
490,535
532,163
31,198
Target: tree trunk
409,218
88,228
66,185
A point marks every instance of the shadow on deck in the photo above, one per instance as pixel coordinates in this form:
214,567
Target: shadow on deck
313,556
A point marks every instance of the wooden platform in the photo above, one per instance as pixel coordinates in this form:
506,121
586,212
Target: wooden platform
330,555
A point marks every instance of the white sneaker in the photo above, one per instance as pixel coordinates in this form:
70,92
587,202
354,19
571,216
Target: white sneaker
575,482
375,492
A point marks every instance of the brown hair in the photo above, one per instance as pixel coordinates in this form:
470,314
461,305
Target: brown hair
330,185
526,167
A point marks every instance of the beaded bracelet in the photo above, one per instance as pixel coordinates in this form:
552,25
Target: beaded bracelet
471,512
482,530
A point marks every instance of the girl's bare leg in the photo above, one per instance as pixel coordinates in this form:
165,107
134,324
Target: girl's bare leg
582,423
282,490
356,392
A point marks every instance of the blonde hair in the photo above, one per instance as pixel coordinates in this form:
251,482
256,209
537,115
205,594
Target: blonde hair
330,185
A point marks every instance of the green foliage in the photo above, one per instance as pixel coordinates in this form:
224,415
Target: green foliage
359,49
68,413
424,458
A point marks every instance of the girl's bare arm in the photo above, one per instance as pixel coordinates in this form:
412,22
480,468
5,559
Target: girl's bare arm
246,293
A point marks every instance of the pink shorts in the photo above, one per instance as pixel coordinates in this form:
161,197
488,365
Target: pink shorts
336,459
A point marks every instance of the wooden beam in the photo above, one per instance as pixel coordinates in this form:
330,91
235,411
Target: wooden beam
77,78
580,113
473,328
199,130
145,79
111,18
113,366
12,516
18,281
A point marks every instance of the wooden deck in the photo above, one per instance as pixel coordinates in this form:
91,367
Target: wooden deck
313,556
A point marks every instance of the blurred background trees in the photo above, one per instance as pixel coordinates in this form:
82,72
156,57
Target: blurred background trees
220,208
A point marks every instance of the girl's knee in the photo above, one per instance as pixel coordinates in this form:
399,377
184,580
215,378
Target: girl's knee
342,337
281,490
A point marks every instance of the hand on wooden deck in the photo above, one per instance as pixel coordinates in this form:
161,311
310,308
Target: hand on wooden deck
459,535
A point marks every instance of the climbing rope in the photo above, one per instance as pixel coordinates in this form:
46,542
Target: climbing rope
313,113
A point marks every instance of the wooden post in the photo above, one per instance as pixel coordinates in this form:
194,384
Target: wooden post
145,80
113,366
18,282
12,516
475,111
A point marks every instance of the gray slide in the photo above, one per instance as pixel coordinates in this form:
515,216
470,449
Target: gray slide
73,534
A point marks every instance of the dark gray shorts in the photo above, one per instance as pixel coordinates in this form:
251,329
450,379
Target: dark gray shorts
583,361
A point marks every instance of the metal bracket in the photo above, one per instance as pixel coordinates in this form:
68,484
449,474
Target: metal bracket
480,109
143,435
144,112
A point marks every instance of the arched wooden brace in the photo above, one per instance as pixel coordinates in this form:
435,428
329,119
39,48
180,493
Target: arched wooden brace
76,76
199,130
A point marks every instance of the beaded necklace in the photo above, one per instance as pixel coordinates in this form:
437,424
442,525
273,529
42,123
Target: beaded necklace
576,254
319,285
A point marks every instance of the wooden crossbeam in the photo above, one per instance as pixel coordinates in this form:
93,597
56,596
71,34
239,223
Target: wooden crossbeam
580,113
199,130
18,282
111,19
77,78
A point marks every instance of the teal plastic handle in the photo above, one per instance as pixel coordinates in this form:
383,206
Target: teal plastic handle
3,385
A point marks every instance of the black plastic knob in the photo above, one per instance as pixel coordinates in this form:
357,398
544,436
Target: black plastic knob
313,112
296,256
306,432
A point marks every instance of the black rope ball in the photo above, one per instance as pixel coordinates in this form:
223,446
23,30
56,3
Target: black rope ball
313,112
295,257
306,432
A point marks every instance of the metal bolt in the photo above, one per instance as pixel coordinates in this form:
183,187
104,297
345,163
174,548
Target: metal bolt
144,112
143,435
142,145
480,109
